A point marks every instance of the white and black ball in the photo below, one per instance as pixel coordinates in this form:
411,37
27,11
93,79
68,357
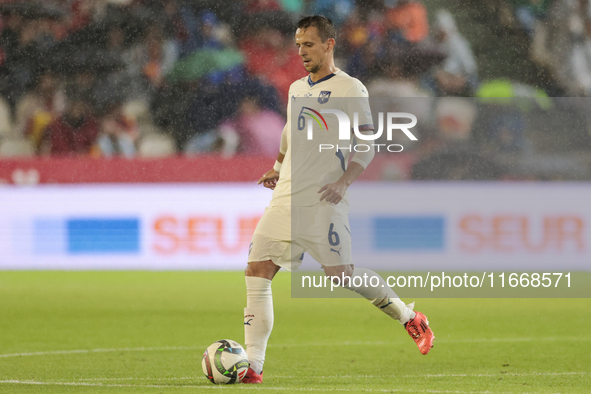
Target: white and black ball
225,362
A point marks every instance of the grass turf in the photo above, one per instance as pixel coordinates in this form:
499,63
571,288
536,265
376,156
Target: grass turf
145,332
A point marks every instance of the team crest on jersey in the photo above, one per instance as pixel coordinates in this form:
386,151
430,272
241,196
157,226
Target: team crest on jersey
324,96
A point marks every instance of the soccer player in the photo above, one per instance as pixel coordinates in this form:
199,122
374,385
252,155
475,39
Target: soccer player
310,188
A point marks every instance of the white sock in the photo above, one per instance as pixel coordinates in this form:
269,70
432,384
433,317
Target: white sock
381,296
258,320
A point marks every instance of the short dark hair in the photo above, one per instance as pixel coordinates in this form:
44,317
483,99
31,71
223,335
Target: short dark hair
324,25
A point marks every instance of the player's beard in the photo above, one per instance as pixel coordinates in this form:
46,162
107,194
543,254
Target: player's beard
315,68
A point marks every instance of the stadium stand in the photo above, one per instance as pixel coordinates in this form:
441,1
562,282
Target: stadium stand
167,78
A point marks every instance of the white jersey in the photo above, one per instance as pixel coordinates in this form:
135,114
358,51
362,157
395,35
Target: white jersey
306,168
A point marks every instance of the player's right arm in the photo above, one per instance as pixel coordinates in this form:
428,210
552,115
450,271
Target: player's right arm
269,180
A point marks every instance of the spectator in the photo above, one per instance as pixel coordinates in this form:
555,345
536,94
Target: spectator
399,90
12,23
397,80
260,6
561,45
294,6
128,79
75,132
407,20
22,60
213,33
161,54
274,57
364,40
338,10
86,84
214,103
38,108
529,12
258,130
184,25
455,120
581,52
355,33
118,133
506,132
5,120
458,75
142,65
81,14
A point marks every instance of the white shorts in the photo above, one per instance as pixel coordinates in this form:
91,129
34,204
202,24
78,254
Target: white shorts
284,233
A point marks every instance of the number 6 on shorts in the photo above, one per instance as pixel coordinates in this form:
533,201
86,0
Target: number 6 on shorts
333,236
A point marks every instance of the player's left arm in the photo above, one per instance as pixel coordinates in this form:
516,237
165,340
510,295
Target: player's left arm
334,192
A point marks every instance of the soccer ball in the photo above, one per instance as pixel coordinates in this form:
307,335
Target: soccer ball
225,362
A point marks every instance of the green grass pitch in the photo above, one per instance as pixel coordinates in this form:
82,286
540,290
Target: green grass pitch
145,332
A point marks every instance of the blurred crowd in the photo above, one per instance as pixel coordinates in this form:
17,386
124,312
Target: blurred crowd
559,34
105,78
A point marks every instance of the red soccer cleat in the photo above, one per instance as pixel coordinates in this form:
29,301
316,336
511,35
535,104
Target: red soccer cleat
252,377
418,329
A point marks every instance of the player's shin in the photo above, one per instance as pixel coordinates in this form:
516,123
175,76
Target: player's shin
258,320
378,292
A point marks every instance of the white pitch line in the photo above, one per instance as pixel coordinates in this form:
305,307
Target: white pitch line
84,351
36,383
443,375
242,387
272,345
493,340
156,379
364,376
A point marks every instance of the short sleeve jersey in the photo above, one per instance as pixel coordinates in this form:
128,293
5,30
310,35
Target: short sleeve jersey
305,167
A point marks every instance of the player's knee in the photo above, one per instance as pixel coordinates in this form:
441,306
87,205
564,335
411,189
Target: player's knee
261,269
338,273
337,280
